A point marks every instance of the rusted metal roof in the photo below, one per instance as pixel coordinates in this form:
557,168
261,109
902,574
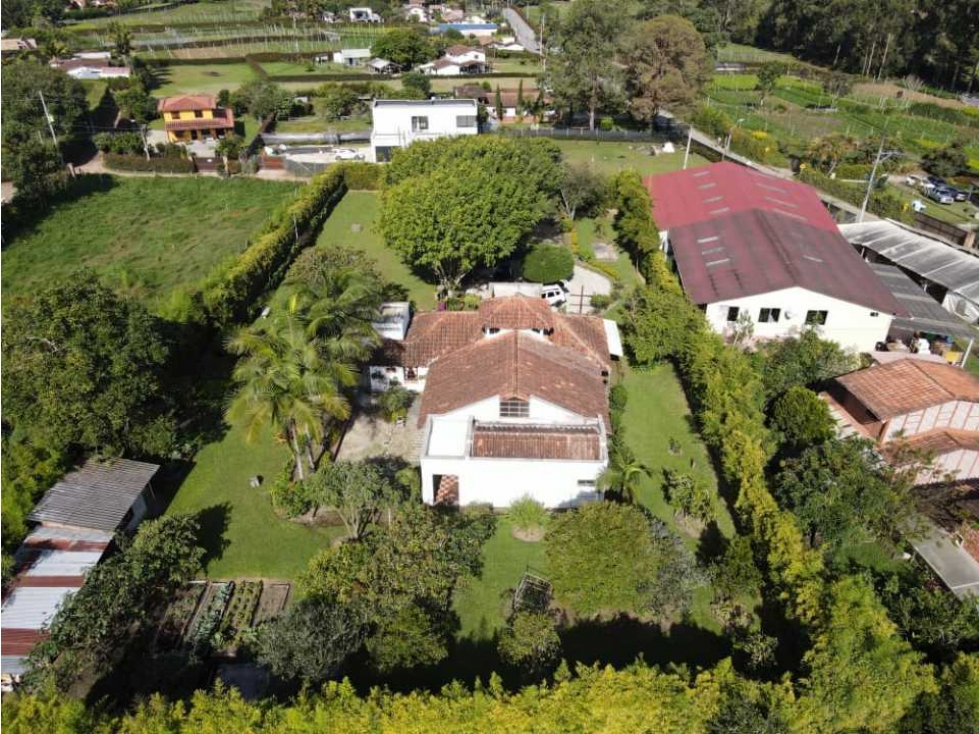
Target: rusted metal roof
521,441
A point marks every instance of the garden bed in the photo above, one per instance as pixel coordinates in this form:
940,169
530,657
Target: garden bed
272,602
175,622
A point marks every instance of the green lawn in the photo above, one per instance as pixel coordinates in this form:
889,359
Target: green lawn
143,235
235,11
961,212
244,536
610,158
200,79
480,603
362,207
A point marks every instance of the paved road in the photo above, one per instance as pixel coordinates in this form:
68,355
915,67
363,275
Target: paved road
524,33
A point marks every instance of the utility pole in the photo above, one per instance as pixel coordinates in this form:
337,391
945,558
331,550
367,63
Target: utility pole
686,155
142,134
48,117
870,183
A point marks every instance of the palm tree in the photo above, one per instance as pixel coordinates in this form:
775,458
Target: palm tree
288,380
623,474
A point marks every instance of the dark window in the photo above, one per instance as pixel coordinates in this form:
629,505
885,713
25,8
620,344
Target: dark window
383,153
769,315
466,121
586,483
514,408
198,114
816,318
732,313
419,124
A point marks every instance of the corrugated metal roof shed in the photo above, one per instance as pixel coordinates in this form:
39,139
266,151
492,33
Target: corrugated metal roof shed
32,607
927,314
42,533
57,562
96,496
929,258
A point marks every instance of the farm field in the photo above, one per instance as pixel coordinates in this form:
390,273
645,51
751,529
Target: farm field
362,208
145,236
610,158
233,11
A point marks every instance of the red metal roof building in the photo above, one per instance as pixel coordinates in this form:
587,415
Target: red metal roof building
766,247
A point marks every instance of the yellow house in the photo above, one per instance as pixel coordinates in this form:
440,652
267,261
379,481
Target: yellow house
194,117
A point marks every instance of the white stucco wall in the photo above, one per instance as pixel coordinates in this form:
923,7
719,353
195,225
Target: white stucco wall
392,121
957,414
851,326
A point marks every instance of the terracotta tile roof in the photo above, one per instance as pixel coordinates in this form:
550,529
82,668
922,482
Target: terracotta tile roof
938,442
909,385
437,333
585,334
515,441
459,50
516,312
187,102
223,120
515,365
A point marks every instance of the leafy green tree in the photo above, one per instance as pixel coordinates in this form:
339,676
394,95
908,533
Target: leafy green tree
312,641
667,66
837,85
453,205
261,98
768,75
953,707
841,497
530,642
135,103
737,574
337,100
23,113
658,324
85,368
417,82
605,558
582,189
97,621
805,360
28,472
498,103
860,674
288,381
827,152
584,74
801,419
122,39
356,491
315,267
406,47
743,711
548,264
37,171
688,496
528,515
230,146
948,161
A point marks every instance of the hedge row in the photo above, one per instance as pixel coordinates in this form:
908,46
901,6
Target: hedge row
161,164
882,203
968,116
230,293
726,396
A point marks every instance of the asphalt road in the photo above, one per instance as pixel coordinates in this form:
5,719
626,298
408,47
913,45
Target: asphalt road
524,33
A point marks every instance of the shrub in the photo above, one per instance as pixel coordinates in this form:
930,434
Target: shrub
801,418
882,202
395,402
688,496
548,264
362,176
530,642
600,301
290,498
528,516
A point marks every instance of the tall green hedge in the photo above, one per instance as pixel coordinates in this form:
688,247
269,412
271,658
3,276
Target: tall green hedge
883,203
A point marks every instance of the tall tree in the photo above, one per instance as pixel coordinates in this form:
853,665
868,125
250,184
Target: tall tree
406,47
584,74
356,491
768,76
667,66
23,113
84,368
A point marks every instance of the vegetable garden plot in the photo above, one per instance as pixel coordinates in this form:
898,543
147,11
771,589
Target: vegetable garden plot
272,602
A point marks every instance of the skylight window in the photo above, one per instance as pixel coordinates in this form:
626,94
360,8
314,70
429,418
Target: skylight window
707,185
712,263
720,211
712,238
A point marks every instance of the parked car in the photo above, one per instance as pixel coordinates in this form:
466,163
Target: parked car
555,294
942,196
937,181
959,194
347,154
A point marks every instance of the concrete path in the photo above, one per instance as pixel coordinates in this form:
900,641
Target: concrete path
953,565
522,30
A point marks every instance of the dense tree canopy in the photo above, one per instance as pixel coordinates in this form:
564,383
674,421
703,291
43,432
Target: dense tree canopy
23,113
84,367
406,47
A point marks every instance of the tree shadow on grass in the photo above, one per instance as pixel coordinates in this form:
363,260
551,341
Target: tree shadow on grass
619,642
213,525
20,222
711,544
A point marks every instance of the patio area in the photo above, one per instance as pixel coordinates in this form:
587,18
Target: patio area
370,436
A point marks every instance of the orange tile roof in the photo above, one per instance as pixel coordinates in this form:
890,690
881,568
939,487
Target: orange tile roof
937,442
909,385
516,312
514,441
187,102
515,365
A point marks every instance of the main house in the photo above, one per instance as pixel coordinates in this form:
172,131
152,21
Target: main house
748,246
514,399
925,406
194,117
397,123
73,526
456,61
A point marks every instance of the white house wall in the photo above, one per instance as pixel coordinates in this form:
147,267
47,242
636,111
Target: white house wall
958,414
392,123
961,465
500,482
851,326
540,411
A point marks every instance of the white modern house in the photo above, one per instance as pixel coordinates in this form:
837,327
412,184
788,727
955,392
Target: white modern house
415,11
397,123
514,399
463,54
352,56
364,15
762,253
90,68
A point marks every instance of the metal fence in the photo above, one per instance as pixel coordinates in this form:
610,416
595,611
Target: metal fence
674,134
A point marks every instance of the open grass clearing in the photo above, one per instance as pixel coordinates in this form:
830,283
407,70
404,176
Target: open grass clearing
610,158
236,11
145,236
200,79
361,209
243,536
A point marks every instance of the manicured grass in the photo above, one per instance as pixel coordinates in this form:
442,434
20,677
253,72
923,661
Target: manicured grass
143,235
243,535
205,78
481,603
961,212
610,158
202,12
362,207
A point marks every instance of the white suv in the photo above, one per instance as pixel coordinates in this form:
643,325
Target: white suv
555,294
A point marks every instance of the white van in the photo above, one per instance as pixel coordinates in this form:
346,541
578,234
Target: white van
554,293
